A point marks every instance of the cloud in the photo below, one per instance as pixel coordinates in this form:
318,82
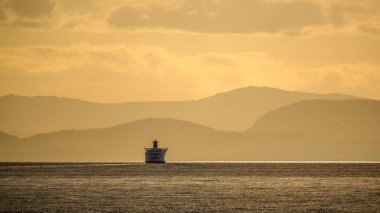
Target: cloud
25,23
279,17
241,16
186,49
3,16
31,9
370,28
361,79
27,14
116,73
120,72
215,60
75,6
100,73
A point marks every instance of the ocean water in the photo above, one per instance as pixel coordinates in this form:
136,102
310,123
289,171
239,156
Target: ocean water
190,187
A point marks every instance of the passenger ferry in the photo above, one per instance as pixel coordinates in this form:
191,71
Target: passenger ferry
155,154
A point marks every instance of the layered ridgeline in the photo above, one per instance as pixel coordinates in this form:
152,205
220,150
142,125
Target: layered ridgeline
344,119
8,138
309,130
235,110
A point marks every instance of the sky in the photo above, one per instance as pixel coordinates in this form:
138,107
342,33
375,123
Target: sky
148,50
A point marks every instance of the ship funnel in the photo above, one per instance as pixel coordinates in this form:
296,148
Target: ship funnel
155,144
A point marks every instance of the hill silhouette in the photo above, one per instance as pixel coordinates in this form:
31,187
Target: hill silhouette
6,142
344,119
235,110
187,141
7,137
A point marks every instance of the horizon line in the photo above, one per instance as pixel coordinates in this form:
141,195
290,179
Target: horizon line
217,161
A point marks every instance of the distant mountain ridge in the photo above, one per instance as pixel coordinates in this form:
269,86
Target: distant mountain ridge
188,141
8,138
346,119
234,110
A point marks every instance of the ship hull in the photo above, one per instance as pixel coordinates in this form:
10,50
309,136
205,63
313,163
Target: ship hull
154,161
155,156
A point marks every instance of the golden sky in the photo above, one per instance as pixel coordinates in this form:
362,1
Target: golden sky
148,50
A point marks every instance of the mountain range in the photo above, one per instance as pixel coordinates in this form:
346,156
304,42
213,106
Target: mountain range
306,130
234,110
344,119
